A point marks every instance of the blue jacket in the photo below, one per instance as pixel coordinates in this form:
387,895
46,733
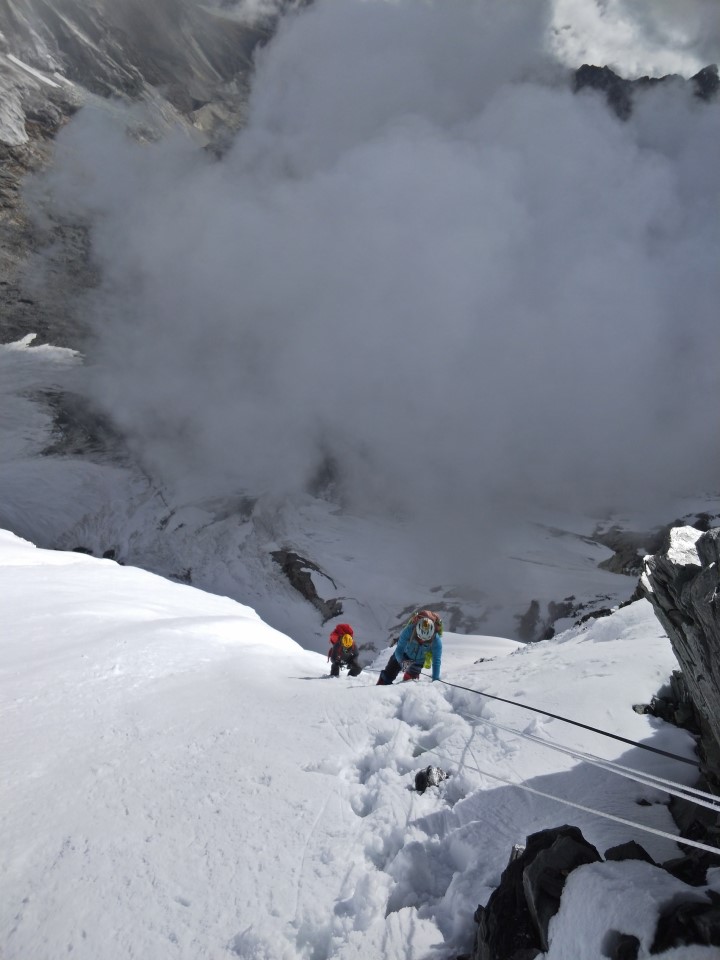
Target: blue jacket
410,648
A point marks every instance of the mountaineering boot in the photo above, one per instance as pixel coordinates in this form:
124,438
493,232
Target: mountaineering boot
382,682
408,675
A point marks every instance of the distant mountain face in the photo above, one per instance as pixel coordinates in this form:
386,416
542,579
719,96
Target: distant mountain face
184,64
300,564
188,54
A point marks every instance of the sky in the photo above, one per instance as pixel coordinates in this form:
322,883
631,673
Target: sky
424,269
182,780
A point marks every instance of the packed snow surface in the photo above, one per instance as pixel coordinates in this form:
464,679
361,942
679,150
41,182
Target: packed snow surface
181,780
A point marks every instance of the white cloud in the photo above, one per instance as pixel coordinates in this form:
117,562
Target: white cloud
424,257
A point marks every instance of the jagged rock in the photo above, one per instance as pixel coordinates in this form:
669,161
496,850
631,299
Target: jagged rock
118,49
429,777
619,92
693,922
629,548
691,868
557,611
78,429
532,626
544,877
298,571
594,615
513,924
528,622
183,576
674,705
628,851
693,821
706,82
621,946
683,584
188,64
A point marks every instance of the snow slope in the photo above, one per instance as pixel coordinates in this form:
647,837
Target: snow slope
180,782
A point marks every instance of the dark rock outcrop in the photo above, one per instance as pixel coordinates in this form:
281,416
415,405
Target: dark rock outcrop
629,547
682,582
188,64
299,571
694,921
620,92
186,51
535,625
514,924
544,877
628,851
621,946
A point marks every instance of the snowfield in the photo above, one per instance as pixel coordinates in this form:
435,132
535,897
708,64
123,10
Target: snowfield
183,781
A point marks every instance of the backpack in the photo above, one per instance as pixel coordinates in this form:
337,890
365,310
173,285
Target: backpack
340,630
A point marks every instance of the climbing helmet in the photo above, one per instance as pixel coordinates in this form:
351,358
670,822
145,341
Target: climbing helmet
425,629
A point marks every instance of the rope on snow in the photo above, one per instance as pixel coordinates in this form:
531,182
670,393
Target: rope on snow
576,723
690,794
607,764
598,813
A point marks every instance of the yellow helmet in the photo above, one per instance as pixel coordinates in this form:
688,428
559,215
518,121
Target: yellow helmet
346,640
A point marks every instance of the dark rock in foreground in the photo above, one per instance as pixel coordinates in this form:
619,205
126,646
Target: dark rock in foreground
515,923
683,584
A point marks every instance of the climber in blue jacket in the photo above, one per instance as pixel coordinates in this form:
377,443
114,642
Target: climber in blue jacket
420,639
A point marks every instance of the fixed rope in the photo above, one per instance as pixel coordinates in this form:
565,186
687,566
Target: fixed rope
690,794
699,797
575,723
597,813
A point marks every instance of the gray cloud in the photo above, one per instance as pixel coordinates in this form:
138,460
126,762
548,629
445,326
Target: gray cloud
423,258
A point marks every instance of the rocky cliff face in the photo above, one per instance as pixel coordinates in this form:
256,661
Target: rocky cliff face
187,64
682,582
190,55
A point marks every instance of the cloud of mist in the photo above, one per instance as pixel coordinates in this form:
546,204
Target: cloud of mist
424,261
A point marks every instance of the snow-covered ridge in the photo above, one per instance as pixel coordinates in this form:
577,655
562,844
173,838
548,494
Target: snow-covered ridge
179,781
